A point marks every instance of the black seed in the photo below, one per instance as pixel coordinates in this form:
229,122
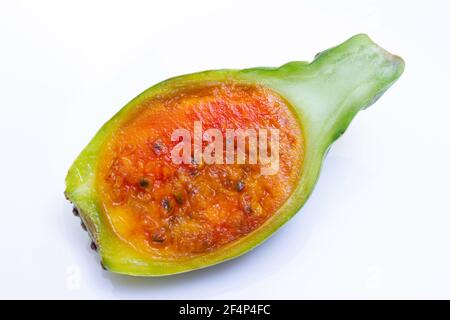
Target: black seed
248,209
179,198
193,172
158,240
75,212
174,220
83,226
240,186
103,266
194,190
93,246
144,183
158,147
166,204
159,236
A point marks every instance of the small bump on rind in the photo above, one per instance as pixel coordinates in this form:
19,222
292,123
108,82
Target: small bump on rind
317,55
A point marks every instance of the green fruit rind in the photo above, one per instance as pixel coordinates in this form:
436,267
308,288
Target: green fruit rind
325,94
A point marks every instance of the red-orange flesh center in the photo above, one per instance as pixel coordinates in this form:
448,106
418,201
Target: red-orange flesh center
171,210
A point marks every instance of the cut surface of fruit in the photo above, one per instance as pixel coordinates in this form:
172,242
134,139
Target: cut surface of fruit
173,210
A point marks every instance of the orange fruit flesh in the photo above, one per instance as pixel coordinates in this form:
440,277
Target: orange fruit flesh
173,210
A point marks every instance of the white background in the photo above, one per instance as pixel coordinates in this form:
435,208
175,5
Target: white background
378,222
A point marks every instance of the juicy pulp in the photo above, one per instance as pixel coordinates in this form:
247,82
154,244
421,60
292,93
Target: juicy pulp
174,211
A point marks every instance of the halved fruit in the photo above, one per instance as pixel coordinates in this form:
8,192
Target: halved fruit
150,215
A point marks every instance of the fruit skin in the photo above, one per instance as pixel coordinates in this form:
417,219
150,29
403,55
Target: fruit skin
326,94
